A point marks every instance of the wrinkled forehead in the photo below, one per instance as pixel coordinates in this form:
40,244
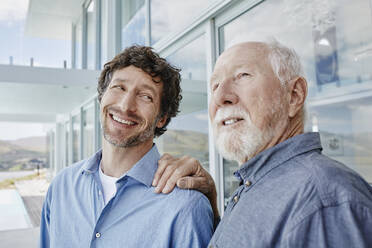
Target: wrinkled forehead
253,54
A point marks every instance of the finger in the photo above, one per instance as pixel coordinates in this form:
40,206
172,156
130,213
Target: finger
197,183
163,162
178,173
164,178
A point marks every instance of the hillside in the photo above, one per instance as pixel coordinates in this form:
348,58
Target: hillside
37,144
23,156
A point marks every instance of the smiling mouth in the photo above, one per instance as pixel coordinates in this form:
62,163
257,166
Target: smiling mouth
231,121
126,122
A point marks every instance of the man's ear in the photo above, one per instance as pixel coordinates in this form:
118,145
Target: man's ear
298,92
162,121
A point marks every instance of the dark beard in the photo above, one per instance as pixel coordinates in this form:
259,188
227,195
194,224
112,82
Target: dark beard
135,140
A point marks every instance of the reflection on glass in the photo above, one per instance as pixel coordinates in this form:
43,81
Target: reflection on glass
20,42
230,182
78,45
67,143
88,132
104,33
335,49
50,149
172,16
133,23
75,138
188,133
91,33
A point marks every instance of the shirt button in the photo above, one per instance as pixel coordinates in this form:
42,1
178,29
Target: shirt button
248,183
98,235
99,192
236,199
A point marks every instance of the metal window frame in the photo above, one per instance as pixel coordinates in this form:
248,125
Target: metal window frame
73,46
98,15
235,10
84,38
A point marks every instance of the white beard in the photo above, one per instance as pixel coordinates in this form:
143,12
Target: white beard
240,143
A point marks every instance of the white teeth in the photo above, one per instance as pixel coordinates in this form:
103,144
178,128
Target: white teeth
122,121
230,121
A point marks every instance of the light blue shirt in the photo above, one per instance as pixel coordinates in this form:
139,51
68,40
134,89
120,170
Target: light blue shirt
74,214
291,195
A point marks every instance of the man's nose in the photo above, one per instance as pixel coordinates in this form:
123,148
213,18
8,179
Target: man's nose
225,94
128,102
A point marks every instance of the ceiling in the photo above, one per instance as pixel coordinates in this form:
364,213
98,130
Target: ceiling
52,18
39,94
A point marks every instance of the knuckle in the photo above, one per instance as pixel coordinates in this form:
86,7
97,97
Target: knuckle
178,171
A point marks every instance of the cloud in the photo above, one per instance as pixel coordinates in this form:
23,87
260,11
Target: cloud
13,10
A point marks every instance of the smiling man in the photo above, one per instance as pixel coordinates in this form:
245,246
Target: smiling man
290,194
107,200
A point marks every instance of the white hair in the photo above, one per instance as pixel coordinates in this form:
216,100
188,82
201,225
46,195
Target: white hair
284,61
285,64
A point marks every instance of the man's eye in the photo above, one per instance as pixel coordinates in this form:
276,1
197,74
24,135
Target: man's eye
215,86
244,74
146,98
119,87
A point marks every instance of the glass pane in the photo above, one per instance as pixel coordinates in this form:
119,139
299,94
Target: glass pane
78,44
91,33
335,49
230,183
104,33
188,133
88,129
75,138
133,23
67,143
24,39
173,16
50,149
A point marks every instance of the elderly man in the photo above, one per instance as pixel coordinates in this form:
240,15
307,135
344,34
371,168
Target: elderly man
290,194
107,200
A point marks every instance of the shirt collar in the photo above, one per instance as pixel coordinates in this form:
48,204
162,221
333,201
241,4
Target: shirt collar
262,163
142,171
91,165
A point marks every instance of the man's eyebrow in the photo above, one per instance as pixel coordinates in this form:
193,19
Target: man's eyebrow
148,87
144,86
119,80
213,78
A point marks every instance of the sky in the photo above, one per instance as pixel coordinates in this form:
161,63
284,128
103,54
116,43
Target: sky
17,130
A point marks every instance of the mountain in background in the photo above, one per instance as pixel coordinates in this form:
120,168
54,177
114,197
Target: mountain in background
37,144
23,154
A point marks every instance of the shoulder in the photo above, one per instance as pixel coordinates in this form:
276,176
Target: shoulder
189,198
330,192
347,224
67,176
334,181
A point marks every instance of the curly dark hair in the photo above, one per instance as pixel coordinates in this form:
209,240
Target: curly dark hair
145,58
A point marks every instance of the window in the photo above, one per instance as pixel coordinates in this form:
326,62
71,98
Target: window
132,23
187,133
76,138
173,16
78,44
67,144
88,132
91,36
334,47
104,32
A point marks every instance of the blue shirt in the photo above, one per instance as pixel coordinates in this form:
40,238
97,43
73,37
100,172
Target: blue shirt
74,214
293,196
